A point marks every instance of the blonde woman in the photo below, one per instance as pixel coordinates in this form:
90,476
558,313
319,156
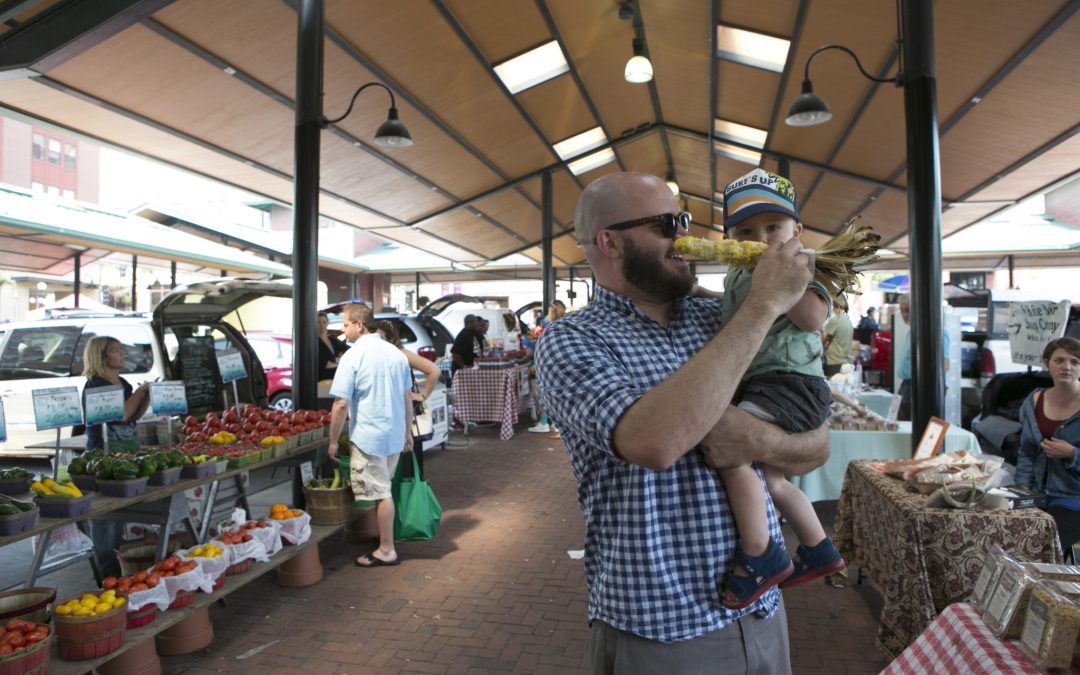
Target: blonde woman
103,359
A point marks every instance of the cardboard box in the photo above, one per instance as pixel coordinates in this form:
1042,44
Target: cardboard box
1013,497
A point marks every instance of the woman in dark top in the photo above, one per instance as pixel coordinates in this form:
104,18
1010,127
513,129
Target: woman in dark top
103,359
1049,459
329,349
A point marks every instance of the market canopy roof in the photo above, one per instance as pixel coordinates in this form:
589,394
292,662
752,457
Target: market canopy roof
208,86
42,234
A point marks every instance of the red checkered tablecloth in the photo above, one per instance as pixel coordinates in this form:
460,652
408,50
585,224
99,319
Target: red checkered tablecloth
959,642
492,395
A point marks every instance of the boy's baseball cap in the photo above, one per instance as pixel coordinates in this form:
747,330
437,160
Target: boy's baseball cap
758,192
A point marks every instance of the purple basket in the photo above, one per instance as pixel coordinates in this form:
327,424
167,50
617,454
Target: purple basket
84,483
132,487
198,470
63,508
18,522
15,486
166,476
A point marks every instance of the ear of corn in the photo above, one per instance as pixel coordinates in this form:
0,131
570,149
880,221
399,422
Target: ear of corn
835,263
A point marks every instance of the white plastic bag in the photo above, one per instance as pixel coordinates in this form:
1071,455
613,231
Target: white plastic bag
296,530
64,541
158,595
213,567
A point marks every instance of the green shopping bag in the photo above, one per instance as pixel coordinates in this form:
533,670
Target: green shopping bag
417,513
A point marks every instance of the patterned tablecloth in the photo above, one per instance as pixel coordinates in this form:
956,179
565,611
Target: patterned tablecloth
492,395
923,559
959,642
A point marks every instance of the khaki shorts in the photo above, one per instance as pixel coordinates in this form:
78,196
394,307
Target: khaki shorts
370,475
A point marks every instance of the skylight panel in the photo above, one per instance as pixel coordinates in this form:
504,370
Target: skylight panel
737,153
593,161
581,143
752,49
533,67
740,133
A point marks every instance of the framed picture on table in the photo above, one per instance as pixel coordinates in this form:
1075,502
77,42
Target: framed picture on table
933,438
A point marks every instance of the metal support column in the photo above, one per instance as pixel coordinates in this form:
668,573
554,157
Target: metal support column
78,277
172,274
546,218
134,282
309,78
924,214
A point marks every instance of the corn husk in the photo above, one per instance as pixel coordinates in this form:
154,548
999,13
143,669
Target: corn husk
835,263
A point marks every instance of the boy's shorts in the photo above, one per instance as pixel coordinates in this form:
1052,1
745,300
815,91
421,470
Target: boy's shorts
370,475
796,402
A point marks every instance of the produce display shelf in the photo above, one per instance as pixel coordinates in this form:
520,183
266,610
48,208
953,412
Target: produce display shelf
101,505
172,617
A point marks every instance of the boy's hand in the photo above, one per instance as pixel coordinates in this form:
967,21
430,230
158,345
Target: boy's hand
780,278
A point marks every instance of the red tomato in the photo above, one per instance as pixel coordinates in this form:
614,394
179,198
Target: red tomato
5,648
109,583
153,580
37,635
139,587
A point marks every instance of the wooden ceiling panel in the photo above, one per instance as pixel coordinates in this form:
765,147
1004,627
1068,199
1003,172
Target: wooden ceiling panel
871,33
443,74
354,174
678,37
417,239
692,164
558,108
776,17
728,170
1047,169
959,217
835,199
888,215
567,192
973,46
501,29
875,150
600,45
567,249
473,232
1038,101
644,155
745,95
515,212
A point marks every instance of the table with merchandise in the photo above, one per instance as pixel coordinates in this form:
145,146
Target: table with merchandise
922,558
493,391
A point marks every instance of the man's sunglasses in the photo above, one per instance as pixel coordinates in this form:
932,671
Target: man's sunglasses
670,223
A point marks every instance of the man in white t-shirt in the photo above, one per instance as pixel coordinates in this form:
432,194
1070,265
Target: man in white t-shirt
371,387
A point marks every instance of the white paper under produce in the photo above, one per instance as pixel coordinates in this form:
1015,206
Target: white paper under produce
269,536
195,580
158,595
296,530
249,550
214,567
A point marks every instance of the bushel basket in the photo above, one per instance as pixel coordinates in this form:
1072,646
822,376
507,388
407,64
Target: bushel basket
88,637
329,507
32,660
31,604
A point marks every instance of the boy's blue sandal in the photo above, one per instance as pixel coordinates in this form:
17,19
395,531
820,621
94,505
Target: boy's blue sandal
764,573
815,562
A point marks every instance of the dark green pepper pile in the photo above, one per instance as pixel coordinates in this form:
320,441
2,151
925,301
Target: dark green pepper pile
124,466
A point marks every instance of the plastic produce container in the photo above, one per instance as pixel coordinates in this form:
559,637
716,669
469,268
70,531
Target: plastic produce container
18,522
166,476
198,470
63,508
14,486
123,488
84,483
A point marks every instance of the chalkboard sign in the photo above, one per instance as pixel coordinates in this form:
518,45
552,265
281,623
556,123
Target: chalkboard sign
57,407
168,398
3,424
198,366
104,404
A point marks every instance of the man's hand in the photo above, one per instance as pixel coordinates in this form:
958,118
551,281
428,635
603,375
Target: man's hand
331,450
408,442
740,438
780,278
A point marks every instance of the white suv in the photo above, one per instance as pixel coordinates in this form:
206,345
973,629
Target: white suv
178,342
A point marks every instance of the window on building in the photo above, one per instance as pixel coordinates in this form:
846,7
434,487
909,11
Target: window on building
69,156
69,194
37,187
39,146
54,151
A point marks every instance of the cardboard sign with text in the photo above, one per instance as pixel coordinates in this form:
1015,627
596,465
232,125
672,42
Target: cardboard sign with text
1032,325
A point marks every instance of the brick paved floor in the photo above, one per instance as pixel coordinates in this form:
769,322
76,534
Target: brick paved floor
494,592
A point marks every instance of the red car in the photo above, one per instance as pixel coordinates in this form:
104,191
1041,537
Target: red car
275,352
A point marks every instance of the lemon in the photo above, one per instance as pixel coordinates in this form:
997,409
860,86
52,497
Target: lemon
63,610
118,602
103,607
197,551
89,597
107,595
81,611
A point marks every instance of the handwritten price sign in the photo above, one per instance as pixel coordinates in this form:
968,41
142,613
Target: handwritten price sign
168,398
231,366
1032,325
57,407
104,404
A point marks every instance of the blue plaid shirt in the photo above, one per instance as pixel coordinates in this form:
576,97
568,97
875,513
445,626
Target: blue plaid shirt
656,542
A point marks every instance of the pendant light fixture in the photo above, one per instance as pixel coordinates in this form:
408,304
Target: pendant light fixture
638,68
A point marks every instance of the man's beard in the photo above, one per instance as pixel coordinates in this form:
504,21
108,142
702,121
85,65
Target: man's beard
644,271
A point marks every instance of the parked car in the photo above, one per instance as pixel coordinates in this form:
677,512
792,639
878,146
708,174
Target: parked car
420,334
179,341
275,352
